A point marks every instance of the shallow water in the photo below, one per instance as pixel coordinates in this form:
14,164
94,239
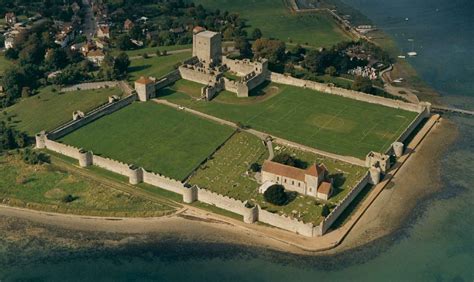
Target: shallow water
438,245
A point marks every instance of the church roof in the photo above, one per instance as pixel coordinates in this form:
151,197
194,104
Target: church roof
198,29
292,172
325,188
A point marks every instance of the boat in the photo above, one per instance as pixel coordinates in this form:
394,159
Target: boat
412,54
401,57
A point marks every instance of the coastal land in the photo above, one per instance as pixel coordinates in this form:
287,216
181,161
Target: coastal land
386,214
381,215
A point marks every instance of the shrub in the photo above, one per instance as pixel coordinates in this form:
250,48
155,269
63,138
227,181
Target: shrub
34,158
286,159
276,195
255,167
325,211
69,198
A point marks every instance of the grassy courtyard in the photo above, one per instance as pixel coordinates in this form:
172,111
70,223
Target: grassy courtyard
155,66
276,20
228,173
155,137
49,109
328,122
44,187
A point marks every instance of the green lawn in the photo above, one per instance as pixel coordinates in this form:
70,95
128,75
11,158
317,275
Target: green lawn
152,50
155,66
43,187
328,122
156,137
48,109
4,64
228,173
274,18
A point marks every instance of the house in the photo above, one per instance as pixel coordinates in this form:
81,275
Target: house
10,18
101,43
128,25
9,42
65,36
308,181
96,57
103,31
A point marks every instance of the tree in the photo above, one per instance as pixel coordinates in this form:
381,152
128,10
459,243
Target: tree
124,42
273,50
255,167
244,46
362,84
331,71
11,54
256,34
276,195
289,160
122,62
25,92
56,59
325,211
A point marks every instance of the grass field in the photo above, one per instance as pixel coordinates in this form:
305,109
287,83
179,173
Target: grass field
49,109
155,66
227,173
327,122
155,137
152,50
43,187
4,64
276,20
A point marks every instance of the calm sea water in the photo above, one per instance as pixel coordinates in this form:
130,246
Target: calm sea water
439,245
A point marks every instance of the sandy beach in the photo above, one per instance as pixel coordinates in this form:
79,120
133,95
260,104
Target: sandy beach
417,179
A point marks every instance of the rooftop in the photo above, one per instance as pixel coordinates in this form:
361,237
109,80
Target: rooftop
325,188
144,80
208,34
292,172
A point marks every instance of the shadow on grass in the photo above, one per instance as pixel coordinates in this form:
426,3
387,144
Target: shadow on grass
339,180
260,90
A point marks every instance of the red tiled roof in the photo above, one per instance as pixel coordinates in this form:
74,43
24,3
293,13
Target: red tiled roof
292,172
325,188
198,29
144,80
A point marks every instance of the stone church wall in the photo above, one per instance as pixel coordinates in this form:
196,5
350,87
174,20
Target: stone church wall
286,223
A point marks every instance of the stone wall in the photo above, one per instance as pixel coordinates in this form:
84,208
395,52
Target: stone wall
163,182
220,201
167,80
241,67
90,117
62,149
421,116
288,80
195,75
343,204
111,165
286,223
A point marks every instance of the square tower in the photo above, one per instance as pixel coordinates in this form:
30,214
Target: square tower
207,46
145,88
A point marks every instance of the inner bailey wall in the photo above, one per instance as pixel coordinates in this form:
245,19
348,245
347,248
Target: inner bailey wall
195,75
360,96
90,117
163,182
343,204
241,67
168,79
286,223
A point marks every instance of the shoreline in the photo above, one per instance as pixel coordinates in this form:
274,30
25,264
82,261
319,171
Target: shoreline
189,221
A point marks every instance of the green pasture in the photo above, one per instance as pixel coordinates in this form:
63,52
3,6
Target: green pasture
327,122
156,137
51,108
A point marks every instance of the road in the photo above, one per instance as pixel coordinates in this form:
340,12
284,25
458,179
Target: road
90,25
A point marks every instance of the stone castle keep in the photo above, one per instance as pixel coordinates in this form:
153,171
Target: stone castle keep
208,67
